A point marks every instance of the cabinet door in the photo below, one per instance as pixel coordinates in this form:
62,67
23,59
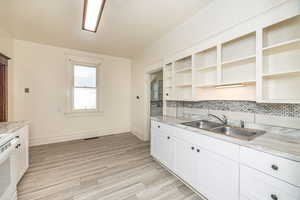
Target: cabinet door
217,177
164,148
256,185
184,161
153,145
22,154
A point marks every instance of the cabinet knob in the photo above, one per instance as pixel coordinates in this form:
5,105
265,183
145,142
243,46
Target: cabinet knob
167,94
168,137
193,148
198,150
274,197
275,167
158,126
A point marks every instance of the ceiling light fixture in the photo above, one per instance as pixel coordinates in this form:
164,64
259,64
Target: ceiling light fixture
230,86
92,13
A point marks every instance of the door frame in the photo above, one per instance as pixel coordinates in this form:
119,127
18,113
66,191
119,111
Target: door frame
4,62
148,72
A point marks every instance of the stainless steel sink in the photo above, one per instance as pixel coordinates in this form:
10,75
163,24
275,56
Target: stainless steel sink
241,133
203,124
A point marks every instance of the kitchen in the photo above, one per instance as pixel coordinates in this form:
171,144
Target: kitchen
76,109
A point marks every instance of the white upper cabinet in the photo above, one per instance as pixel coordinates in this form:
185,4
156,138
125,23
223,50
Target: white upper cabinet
280,74
266,60
238,60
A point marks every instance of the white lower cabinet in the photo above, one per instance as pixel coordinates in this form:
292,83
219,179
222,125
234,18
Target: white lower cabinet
22,154
217,177
256,185
212,174
163,145
224,171
185,161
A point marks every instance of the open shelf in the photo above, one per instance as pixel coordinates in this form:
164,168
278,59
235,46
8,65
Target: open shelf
183,64
241,71
286,73
206,58
207,77
239,48
281,88
206,67
282,44
251,57
282,33
184,78
184,70
249,81
184,93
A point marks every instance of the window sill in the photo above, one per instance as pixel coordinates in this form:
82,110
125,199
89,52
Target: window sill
84,114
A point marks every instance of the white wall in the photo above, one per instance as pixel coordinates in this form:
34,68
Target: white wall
43,69
218,21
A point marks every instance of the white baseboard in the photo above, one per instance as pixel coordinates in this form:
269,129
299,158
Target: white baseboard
138,133
76,136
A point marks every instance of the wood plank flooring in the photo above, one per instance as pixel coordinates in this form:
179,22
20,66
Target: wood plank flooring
117,167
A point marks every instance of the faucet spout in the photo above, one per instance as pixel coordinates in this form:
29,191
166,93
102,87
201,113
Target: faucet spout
223,121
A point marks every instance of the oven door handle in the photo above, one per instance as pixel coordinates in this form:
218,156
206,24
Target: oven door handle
4,155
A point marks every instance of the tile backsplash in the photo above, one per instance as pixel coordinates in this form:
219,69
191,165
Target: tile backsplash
287,115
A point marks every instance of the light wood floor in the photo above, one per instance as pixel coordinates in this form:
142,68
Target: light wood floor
117,167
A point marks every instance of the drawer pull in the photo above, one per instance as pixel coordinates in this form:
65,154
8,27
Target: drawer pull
198,150
168,137
275,167
274,197
193,148
158,126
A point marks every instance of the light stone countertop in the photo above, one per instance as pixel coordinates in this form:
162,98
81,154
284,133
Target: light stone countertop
11,127
278,141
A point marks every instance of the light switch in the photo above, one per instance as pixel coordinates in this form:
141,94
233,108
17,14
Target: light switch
26,90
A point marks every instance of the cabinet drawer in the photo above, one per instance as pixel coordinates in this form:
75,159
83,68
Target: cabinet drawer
162,127
255,185
278,167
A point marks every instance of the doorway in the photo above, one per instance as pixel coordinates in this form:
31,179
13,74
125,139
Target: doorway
156,102
3,88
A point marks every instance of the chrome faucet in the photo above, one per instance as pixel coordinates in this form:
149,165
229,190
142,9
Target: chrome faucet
223,121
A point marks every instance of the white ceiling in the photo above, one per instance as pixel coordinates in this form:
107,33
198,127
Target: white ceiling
126,27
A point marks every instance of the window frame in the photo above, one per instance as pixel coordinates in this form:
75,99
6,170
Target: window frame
88,62
73,88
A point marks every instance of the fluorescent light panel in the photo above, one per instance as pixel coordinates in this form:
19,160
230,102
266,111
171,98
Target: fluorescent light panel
92,13
230,86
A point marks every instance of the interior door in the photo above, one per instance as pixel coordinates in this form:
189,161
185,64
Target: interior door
2,93
3,88
217,177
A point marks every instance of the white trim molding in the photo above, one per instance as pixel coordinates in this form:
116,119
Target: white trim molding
78,135
71,60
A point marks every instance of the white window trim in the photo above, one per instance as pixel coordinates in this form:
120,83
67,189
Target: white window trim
73,60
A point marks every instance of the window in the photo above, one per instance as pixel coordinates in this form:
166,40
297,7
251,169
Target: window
84,87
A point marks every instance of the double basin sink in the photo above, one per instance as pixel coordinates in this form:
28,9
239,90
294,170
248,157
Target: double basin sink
240,133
